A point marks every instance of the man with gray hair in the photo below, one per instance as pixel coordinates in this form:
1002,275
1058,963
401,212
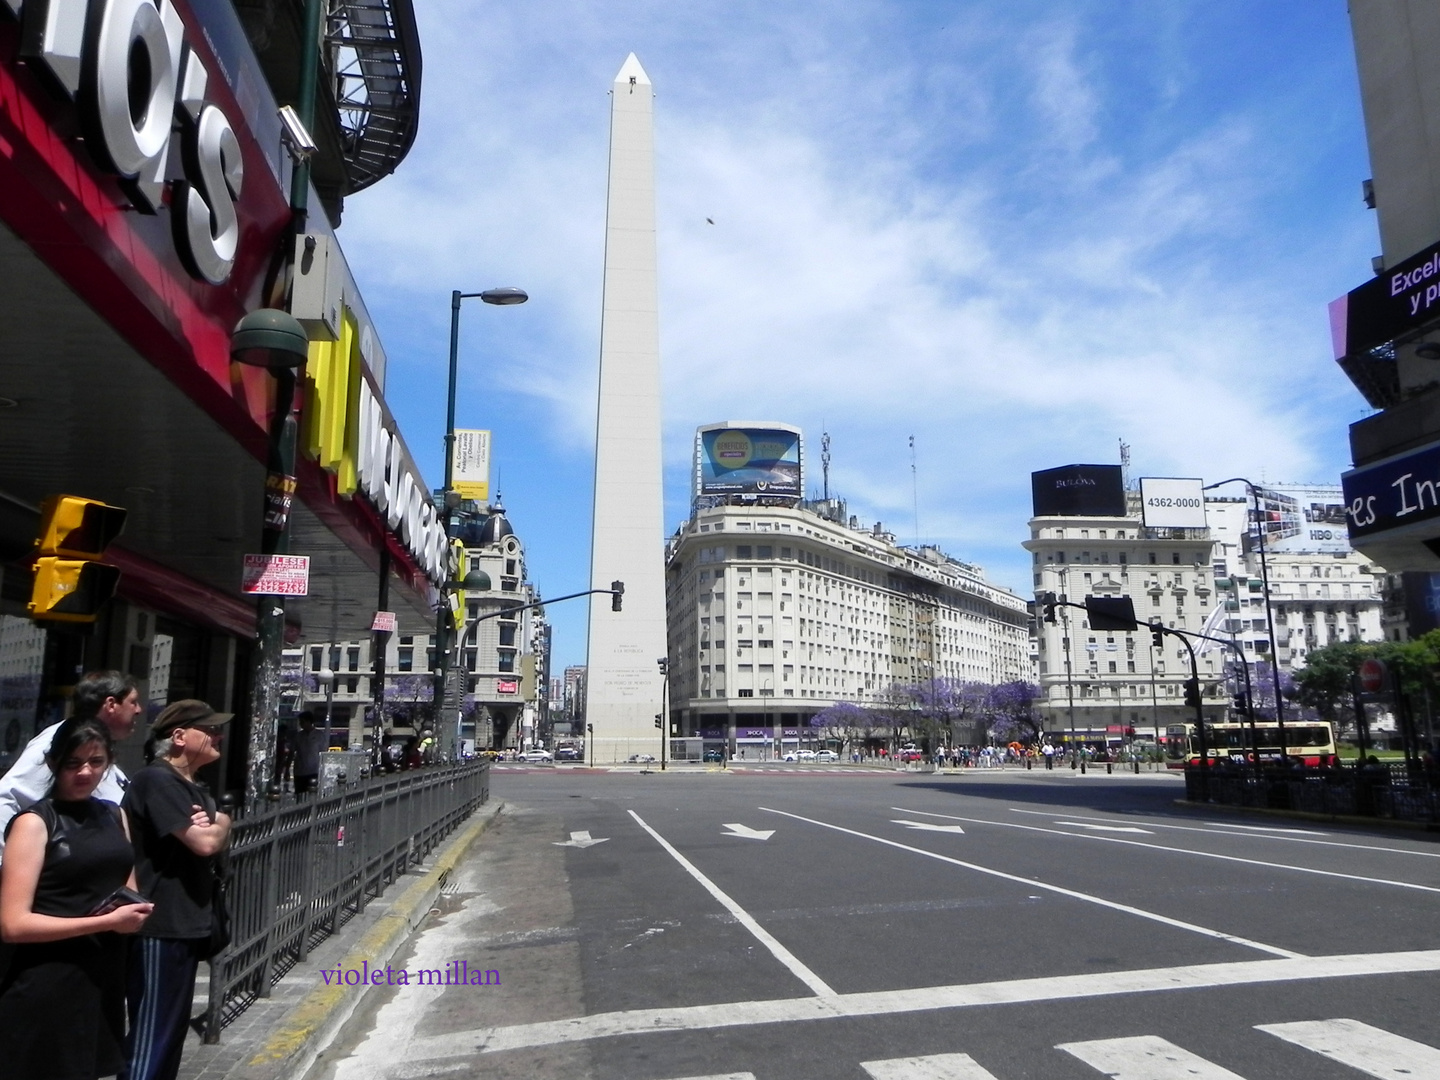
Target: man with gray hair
111,697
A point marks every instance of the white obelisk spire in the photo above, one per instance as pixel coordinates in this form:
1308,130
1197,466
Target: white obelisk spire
627,542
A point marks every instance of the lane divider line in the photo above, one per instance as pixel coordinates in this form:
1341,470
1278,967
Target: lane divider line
1186,851
743,917
1031,883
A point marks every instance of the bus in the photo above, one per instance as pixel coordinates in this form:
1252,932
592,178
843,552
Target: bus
1310,742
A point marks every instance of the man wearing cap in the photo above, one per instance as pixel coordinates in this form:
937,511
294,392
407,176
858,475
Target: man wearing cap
177,833
111,697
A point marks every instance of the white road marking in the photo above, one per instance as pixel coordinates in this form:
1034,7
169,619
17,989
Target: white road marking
922,999
785,956
748,833
720,1076
934,1067
1187,851
1145,1057
1031,883
1369,1049
1106,828
1261,833
581,839
925,826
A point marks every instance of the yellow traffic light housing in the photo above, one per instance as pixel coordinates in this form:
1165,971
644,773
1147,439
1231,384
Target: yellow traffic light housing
71,584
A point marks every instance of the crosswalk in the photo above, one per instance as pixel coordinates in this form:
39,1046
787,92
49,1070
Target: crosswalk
1371,1051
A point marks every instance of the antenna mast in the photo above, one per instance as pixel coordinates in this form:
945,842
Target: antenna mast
825,462
915,490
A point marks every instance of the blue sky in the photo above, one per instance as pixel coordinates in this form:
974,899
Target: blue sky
1018,230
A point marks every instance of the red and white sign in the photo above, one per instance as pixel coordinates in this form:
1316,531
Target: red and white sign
276,575
384,622
507,686
1372,676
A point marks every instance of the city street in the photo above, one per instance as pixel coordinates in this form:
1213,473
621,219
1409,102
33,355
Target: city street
837,923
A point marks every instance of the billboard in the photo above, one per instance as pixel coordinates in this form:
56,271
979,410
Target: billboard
1078,491
1300,518
1172,503
749,461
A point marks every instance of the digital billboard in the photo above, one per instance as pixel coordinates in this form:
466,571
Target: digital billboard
1300,518
749,461
1078,491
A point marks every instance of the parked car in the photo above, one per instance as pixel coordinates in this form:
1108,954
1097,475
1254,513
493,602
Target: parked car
536,755
826,755
800,755
640,759
569,753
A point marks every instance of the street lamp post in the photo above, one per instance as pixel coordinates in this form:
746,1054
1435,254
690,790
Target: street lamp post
1269,612
326,678
502,297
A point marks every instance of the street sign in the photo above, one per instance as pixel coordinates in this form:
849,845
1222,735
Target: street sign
1372,676
276,575
384,621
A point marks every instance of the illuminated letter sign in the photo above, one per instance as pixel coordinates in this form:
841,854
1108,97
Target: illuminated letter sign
132,75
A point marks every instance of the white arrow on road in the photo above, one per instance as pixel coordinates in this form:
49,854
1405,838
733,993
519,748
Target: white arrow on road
1106,828
581,839
747,833
926,826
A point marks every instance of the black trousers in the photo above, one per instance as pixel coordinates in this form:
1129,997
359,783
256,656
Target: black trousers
160,992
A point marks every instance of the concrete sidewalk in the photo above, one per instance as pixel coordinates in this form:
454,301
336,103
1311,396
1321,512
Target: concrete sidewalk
278,1038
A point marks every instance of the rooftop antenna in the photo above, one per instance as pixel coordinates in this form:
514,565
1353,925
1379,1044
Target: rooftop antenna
825,462
1124,464
915,489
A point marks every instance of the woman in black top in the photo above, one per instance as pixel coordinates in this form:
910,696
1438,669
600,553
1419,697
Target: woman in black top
62,998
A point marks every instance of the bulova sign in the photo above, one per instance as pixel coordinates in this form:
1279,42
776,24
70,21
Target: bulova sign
133,75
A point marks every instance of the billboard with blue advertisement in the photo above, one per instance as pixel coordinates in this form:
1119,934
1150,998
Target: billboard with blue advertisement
748,461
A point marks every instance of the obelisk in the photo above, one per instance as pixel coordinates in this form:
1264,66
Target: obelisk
628,534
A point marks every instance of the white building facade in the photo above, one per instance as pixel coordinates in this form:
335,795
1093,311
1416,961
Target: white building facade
777,612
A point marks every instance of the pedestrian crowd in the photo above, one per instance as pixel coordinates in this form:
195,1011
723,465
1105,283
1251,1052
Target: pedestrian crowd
110,888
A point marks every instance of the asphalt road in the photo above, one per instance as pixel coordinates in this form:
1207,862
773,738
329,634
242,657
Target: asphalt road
837,924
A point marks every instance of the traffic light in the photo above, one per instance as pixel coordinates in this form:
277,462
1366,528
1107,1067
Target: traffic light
71,584
664,664
1192,693
1047,602
1157,637
657,721
617,590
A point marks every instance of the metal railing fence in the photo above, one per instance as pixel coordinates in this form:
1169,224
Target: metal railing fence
1393,791
298,872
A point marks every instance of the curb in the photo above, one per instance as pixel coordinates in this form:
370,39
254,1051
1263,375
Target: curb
313,1024
1350,820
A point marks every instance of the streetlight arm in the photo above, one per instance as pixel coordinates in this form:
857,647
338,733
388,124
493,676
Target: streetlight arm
470,624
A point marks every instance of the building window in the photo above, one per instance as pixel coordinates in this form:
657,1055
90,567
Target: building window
745,693
506,661
352,659
744,551
317,658
764,551
405,659
507,635
352,686
510,566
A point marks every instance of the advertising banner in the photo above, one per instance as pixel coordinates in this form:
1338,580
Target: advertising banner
1301,519
1172,503
750,461
1396,493
276,575
1078,491
470,464
1404,297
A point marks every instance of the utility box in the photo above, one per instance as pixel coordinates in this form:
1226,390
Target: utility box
318,290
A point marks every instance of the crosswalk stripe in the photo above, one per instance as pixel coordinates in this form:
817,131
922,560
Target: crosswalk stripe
934,1067
1369,1049
1145,1057
720,1076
